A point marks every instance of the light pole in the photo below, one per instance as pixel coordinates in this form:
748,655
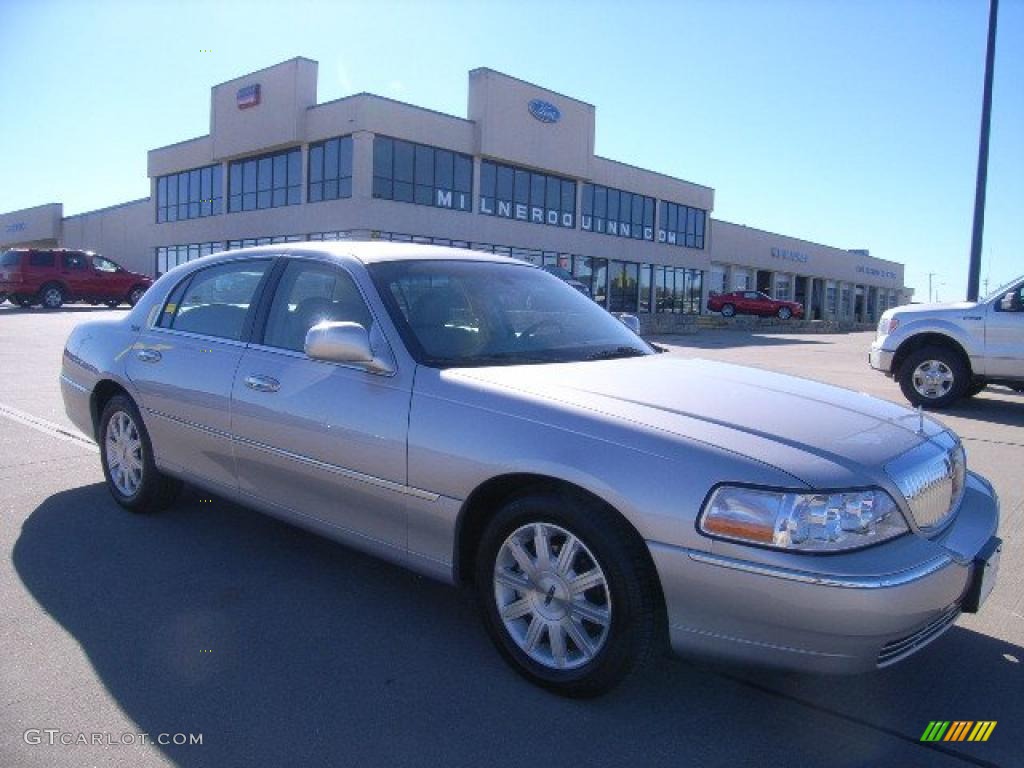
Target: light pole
974,269
930,276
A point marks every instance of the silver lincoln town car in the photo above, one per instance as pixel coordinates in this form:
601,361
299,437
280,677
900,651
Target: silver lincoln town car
480,421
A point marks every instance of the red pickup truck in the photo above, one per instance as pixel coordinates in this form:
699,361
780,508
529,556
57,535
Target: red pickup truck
753,303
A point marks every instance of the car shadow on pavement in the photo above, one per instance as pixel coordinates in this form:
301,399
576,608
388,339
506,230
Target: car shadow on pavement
283,648
998,405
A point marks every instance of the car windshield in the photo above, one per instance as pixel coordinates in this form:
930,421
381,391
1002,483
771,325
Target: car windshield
473,313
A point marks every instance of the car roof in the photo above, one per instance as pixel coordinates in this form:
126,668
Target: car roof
374,252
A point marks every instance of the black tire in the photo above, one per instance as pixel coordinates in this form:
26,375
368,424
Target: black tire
1017,387
728,310
3,297
976,387
784,313
135,294
21,301
949,362
113,303
51,296
156,490
636,627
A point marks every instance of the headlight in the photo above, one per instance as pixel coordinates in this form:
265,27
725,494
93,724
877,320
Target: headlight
802,522
888,324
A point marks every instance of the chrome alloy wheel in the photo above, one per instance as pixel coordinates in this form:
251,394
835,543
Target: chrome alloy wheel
124,454
52,298
932,379
552,596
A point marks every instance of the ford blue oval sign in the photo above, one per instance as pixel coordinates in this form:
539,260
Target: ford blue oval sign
544,111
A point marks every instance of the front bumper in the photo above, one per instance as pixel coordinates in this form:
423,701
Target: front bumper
843,613
880,359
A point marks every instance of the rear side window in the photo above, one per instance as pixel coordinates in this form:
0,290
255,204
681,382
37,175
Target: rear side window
10,259
216,301
74,261
41,259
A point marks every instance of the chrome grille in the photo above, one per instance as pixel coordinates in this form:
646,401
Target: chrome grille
931,478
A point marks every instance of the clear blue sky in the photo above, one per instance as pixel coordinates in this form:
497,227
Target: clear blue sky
852,123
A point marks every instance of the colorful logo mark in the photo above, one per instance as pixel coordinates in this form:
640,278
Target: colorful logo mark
958,730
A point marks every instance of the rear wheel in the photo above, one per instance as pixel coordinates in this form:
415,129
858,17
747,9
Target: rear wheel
784,313
934,377
51,297
728,310
127,457
112,303
570,598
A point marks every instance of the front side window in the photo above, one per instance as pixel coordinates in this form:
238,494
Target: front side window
330,169
466,313
216,301
270,181
515,193
309,294
190,194
421,174
101,264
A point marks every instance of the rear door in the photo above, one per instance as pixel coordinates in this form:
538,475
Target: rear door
184,364
323,442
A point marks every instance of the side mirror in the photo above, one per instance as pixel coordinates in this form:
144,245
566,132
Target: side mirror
630,321
343,343
1010,302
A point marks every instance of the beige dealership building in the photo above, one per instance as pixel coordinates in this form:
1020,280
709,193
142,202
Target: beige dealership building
518,176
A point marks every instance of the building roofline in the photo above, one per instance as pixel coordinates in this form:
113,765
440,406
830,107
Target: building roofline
393,101
852,252
179,143
108,208
656,173
532,85
264,69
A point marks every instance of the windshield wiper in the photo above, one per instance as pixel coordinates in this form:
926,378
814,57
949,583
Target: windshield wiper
612,354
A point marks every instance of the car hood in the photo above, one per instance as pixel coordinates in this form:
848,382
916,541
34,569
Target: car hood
950,308
817,433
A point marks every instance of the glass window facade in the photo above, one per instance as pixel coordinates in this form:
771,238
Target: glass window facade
681,225
420,174
330,170
170,256
623,282
677,291
270,181
190,194
615,212
515,193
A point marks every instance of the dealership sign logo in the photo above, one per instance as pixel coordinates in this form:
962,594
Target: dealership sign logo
508,209
544,111
874,272
248,97
16,227
782,253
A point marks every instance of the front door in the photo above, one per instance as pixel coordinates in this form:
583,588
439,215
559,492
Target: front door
323,442
1004,336
184,364
76,274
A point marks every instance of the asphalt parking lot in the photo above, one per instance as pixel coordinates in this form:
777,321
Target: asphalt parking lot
284,649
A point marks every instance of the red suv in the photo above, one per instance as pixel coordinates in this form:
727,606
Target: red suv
753,303
53,276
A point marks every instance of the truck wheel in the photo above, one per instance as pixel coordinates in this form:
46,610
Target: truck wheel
934,377
135,295
51,297
728,310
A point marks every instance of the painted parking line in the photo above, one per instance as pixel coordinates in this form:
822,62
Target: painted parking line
47,427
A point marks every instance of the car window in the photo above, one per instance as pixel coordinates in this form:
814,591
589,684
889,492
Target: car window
751,295
41,259
10,259
103,265
74,261
216,300
311,293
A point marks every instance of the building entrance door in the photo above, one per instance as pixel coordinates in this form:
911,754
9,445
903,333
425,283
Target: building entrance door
764,282
800,294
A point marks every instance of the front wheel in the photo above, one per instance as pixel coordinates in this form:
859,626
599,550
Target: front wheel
127,457
785,313
135,294
933,377
51,297
570,598
728,310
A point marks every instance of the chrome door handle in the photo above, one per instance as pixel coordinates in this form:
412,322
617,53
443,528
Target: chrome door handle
262,383
148,355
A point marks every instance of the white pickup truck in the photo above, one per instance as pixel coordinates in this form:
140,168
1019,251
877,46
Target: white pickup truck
941,352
